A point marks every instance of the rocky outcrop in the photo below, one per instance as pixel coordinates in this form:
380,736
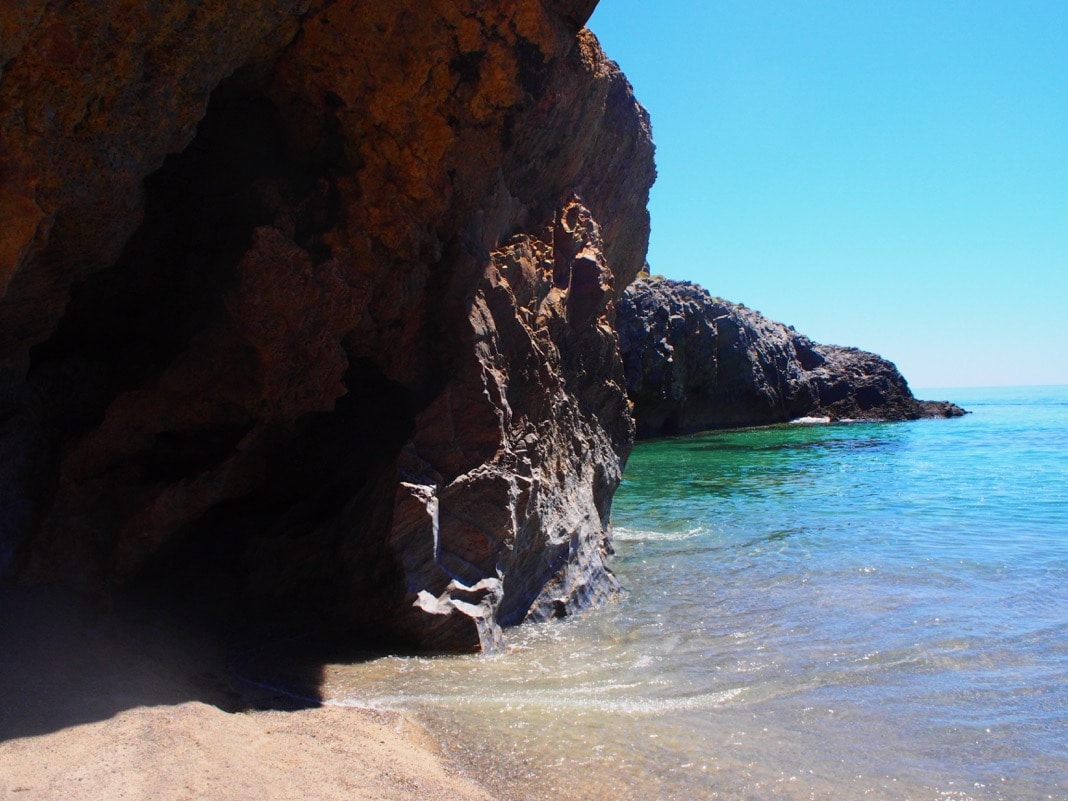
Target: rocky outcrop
314,302
695,362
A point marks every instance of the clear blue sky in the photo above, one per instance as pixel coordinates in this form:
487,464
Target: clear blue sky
889,174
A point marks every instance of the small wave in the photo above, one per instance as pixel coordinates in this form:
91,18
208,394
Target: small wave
552,700
622,534
810,421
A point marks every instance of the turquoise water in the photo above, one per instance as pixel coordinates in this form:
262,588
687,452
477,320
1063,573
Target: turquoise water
813,612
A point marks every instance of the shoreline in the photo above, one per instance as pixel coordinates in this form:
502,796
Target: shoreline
129,704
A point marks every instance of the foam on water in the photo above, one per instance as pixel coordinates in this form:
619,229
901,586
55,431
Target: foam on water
873,611
548,701
621,534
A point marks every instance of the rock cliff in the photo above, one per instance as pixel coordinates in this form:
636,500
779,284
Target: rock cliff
696,362
314,302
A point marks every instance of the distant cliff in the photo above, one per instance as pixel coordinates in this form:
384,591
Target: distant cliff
312,303
695,362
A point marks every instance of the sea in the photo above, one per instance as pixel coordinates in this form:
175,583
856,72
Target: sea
836,611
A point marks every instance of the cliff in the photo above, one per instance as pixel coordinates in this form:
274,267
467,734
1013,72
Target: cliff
309,306
695,362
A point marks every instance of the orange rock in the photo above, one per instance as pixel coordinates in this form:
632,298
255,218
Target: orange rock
347,352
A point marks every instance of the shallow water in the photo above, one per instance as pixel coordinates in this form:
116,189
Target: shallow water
848,611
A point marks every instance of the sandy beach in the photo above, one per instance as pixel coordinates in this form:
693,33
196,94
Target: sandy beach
99,704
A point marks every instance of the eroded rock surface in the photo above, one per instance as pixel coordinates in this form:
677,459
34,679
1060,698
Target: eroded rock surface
695,362
314,301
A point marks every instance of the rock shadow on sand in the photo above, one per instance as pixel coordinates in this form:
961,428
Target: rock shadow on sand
67,660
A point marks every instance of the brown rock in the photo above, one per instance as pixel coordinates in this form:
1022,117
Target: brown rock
349,354
92,98
514,464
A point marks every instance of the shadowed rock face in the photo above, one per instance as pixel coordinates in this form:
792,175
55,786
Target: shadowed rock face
695,362
314,303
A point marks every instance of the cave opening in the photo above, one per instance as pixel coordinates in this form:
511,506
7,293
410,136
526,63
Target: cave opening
123,324
672,424
283,563
273,554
